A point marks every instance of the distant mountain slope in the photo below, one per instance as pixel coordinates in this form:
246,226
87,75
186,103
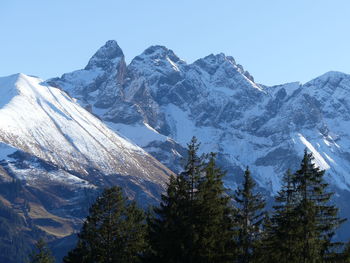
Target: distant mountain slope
54,158
69,135
45,122
159,101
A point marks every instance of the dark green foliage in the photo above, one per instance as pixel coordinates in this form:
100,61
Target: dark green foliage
170,228
317,218
194,221
114,231
279,243
41,253
249,218
193,169
215,222
173,233
303,222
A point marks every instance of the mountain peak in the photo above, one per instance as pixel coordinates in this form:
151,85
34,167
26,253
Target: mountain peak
160,52
333,78
212,62
7,88
107,55
334,74
219,58
10,86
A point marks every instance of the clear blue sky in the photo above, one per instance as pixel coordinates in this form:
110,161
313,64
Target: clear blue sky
277,41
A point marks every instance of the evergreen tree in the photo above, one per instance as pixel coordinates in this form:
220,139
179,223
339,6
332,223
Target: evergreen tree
194,221
264,251
215,223
249,218
171,228
114,231
173,233
303,221
193,168
41,253
316,218
279,243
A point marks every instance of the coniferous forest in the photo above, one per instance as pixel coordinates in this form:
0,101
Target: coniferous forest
198,220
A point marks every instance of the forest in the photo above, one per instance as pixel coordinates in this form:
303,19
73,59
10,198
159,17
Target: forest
199,220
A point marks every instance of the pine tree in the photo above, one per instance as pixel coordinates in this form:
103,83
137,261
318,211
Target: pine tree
249,218
114,231
279,243
41,253
193,168
173,233
170,227
194,221
317,219
264,250
303,222
215,223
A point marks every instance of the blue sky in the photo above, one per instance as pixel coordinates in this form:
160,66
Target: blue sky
277,41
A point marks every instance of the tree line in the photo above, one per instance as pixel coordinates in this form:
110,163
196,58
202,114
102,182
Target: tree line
199,221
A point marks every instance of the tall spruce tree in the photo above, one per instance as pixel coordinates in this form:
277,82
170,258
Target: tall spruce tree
193,168
41,253
215,223
303,221
170,228
317,219
173,233
194,221
279,244
249,218
114,231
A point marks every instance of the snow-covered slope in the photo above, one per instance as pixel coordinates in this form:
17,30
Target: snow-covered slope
107,68
55,157
61,152
48,124
161,102
67,136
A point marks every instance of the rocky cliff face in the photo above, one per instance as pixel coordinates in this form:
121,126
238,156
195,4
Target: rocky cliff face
159,102
162,102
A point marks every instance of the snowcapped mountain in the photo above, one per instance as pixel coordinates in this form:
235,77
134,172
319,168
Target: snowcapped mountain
55,155
159,102
46,123
79,131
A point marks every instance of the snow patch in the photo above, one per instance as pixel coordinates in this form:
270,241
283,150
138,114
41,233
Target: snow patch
319,161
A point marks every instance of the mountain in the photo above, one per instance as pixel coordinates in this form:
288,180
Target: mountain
63,139
56,156
159,102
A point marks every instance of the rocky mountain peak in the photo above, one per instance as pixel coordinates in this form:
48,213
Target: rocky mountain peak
160,52
159,102
212,63
107,55
156,59
330,79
